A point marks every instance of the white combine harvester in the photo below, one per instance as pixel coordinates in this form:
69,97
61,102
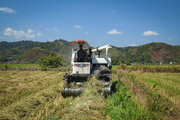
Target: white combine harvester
94,64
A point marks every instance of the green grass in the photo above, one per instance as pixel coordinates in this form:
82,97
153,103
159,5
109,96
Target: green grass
167,83
157,93
121,106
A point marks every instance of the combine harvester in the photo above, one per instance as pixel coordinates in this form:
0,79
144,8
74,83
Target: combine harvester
94,63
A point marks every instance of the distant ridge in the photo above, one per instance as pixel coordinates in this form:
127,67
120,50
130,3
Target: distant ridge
30,52
155,52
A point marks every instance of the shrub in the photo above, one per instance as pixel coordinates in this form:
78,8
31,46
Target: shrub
51,61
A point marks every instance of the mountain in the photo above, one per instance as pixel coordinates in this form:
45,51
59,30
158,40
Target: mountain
154,52
30,52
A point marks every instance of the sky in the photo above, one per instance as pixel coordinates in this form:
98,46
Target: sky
116,22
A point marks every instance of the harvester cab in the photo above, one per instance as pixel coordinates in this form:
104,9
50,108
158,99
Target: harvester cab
85,63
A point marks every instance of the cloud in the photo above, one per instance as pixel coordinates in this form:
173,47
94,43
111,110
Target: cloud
78,26
50,39
86,33
114,32
150,33
21,34
132,45
30,31
7,10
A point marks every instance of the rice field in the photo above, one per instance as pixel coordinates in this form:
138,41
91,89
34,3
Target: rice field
23,92
167,83
139,95
37,95
157,92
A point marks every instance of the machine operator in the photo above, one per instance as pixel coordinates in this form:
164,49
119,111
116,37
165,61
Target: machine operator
81,54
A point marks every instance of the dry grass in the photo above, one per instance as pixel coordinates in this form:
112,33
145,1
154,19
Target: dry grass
17,85
37,95
156,68
23,92
88,106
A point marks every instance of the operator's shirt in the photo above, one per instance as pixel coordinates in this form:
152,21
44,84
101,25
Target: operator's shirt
81,54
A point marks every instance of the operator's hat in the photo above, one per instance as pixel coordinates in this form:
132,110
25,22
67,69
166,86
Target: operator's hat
79,42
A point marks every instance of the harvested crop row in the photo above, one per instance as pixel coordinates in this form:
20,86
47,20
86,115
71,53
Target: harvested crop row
17,85
25,107
90,105
47,102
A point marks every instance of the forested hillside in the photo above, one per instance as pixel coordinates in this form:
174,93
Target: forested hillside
30,52
148,53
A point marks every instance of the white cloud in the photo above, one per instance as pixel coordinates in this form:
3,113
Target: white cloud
30,31
11,32
132,45
7,10
114,32
78,26
50,39
21,34
150,33
30,34
86,33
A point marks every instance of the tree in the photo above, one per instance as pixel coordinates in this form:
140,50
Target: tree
51,61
